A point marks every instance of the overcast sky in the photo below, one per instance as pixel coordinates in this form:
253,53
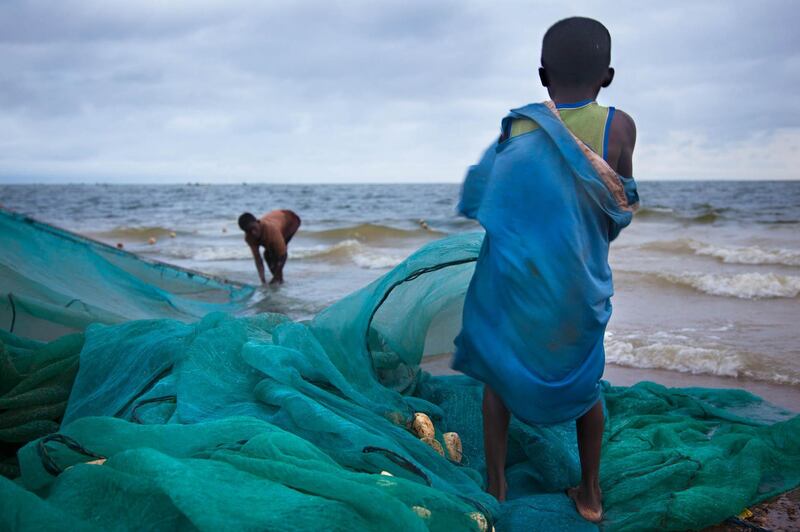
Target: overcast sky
375,91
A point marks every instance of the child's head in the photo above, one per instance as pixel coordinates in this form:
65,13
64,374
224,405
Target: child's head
576,53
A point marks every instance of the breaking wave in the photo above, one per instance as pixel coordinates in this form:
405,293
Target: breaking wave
705,215
668,352
750,254
373,233
343,249
740,285
134,233
350,249
208,253
729,254
677,352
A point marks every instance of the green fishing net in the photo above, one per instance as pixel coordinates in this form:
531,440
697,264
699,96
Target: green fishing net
263,423
53,282
35,383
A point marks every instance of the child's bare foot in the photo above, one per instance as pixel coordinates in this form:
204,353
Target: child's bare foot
588,503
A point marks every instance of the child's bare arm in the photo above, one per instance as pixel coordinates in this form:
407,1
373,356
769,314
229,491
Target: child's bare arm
621,142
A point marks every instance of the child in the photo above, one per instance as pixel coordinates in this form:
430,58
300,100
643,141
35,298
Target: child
551,196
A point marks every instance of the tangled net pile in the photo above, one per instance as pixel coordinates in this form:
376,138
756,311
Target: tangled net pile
259,422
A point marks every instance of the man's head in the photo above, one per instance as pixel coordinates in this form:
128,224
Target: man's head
576,54
249,224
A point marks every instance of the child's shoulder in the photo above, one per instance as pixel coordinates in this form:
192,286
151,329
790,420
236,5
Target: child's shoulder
623,128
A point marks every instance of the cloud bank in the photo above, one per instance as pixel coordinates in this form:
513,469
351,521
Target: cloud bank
375,91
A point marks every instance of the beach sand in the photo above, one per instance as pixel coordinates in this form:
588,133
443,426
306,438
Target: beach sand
779,513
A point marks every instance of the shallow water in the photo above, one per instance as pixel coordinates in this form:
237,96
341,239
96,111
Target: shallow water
707,277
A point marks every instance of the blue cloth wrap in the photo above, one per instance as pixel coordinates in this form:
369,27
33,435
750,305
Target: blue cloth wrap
537,306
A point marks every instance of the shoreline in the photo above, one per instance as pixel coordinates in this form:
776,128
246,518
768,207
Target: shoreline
783,395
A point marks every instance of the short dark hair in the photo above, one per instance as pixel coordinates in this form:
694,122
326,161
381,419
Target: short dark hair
245,220
576,51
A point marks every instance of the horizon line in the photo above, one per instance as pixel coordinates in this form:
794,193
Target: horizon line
338,183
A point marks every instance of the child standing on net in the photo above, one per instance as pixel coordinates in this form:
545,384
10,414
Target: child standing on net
552,193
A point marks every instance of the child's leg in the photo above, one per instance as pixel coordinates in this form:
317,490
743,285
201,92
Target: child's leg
495,442
587,496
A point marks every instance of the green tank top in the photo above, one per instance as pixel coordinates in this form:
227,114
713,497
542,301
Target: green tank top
588,120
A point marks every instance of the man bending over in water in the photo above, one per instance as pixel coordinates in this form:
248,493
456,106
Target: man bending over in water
273,231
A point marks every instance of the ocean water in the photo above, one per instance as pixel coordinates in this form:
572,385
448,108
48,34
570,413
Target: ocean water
707,277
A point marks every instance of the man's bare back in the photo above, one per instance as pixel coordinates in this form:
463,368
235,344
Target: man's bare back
273,232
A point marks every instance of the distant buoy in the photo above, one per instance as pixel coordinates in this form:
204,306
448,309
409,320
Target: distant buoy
151,241
172,234
119,245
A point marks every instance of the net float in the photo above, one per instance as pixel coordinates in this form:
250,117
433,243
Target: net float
434,444
452,442
423,426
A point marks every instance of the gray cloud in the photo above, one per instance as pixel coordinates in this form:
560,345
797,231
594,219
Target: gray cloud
341,91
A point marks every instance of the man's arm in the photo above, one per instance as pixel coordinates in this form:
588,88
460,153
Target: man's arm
276,259
259,262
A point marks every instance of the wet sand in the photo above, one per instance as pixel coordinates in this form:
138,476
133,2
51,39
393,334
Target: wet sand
775,515
783,395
